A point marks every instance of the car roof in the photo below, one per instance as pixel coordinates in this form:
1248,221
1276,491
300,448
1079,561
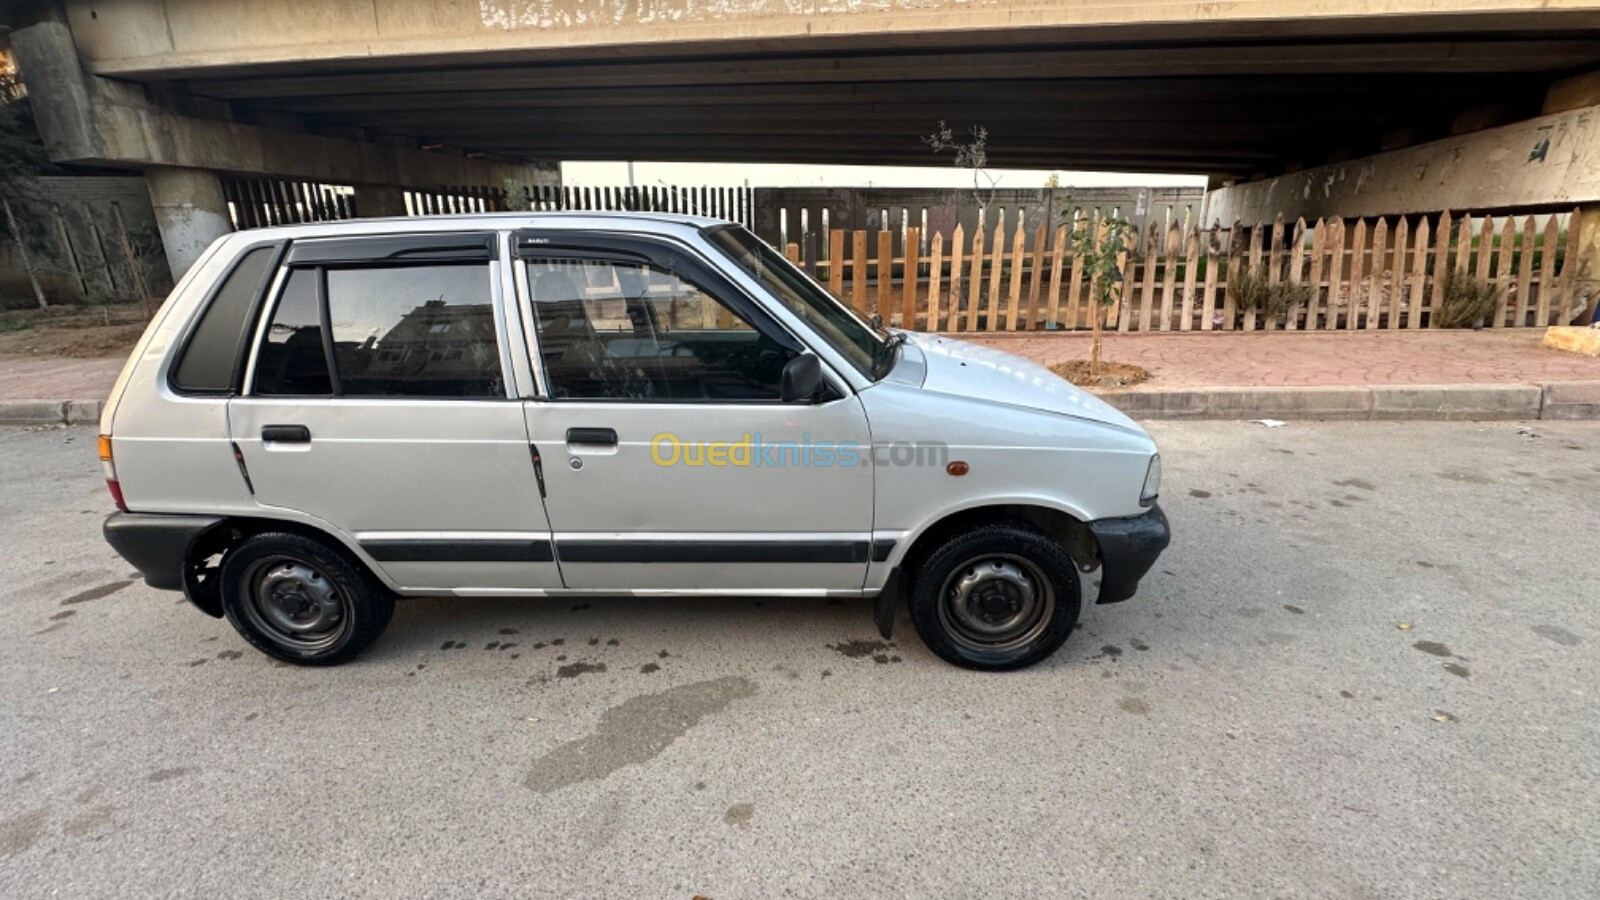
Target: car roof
653,222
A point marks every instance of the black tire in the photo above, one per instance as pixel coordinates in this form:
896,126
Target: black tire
341,607
995,598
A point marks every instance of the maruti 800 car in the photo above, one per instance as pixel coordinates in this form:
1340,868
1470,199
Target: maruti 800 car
323,418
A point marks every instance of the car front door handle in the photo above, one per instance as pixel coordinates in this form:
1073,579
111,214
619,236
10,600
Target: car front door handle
286,434
595,437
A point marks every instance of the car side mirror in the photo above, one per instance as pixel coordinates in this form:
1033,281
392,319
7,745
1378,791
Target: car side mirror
802,380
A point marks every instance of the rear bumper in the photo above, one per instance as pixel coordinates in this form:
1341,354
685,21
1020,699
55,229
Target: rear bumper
156,544
1128,548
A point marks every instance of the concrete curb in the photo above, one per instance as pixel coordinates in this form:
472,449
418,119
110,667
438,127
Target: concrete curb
1436,402
50,412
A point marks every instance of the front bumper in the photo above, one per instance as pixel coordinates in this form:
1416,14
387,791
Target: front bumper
1128,548
156,544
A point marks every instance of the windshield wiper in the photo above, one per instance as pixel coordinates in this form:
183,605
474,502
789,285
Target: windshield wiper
886,360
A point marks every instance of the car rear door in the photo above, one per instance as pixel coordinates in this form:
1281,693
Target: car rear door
377,401
670,463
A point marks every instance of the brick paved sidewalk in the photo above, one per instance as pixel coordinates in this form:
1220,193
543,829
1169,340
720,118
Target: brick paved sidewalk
1278,359
57,378
1487,374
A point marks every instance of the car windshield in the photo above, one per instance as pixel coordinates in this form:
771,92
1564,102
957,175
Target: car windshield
868,347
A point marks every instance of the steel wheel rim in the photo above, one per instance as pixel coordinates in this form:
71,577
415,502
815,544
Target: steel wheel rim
996,602
295,604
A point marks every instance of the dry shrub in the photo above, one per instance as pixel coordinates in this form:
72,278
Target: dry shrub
1466,302
1252,289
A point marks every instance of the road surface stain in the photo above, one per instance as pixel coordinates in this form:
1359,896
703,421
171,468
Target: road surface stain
634,732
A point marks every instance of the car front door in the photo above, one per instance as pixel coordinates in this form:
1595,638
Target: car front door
377,402
669,461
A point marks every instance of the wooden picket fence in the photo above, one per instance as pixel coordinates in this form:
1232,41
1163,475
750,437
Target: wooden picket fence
1384,273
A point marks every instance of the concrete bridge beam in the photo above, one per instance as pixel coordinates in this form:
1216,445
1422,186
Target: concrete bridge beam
1550,161
85,119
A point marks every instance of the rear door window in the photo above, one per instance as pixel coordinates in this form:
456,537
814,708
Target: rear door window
414,331
293,361
387,329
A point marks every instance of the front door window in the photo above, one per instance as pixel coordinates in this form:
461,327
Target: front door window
628,331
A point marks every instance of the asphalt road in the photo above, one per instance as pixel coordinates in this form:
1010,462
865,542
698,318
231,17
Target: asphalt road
1367,668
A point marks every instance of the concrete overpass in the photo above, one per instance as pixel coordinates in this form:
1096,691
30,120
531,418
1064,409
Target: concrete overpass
1251,89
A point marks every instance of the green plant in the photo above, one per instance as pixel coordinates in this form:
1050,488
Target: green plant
1102,247
7,326
1466,301
517,197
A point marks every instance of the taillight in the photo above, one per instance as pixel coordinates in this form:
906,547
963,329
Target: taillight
108,467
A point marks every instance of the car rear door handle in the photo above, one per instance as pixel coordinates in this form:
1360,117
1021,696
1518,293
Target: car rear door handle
600,437
286,434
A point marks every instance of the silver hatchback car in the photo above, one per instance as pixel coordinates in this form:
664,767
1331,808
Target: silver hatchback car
323,418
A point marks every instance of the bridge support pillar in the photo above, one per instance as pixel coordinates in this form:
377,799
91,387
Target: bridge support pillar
374,201
191,212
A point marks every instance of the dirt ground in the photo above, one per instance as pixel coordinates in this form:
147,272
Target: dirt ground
1112,374
82,332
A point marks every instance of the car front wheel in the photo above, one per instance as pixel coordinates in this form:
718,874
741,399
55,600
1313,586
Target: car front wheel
997,597
301,601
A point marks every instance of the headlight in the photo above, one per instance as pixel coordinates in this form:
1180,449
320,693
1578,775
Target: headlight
1152,482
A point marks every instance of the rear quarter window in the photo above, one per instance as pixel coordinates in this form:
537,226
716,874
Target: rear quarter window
209,361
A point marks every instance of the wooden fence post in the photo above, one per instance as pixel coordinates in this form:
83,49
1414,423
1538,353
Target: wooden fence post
997,259
974,281
1397,272
935,273
836,262
1502,272
1255,270
1480,262
1568,278
1147,291
958,240
1297,270
1519,310
1208,294
1169,278
1230,298
1075,280
1547,271
884,298
1014,298
1274,265
1380,250
1036,277
1058,258
1191,271
909,277
1419,275
1441,266
858,271
1358,274
1319,250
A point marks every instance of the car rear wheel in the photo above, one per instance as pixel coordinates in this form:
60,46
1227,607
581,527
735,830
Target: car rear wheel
997,597
302,601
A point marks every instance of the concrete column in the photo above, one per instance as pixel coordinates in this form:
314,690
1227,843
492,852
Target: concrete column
191,212
377,201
